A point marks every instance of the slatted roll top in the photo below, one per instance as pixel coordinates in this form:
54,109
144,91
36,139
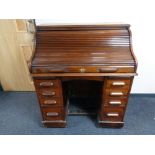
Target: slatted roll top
68,48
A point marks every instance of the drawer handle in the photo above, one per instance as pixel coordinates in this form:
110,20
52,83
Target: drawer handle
115,102
107,70
116,93
112,114
48,93
52,114
50,102
46,84
118,83
56,70
82,70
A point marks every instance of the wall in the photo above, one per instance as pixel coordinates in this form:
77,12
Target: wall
141,16
16,49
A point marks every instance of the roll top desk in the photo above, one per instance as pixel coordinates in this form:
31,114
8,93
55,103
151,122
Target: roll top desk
100,53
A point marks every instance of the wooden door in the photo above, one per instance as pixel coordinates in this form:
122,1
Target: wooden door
16,50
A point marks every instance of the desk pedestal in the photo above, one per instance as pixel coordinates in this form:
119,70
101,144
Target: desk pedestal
53,100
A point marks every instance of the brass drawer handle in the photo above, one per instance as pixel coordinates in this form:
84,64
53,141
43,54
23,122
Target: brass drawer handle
115,102
46,84
56,70
112,114
52,114
107,70
118,83
50,102
82,70
48,93
116,93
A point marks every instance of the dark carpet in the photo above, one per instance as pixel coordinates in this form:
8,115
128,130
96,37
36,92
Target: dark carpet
20,115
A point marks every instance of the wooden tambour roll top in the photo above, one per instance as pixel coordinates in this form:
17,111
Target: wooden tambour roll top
84,49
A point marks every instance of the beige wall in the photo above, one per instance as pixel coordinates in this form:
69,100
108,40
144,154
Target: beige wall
16,49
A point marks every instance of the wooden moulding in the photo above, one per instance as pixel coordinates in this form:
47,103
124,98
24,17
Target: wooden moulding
84,74
82,27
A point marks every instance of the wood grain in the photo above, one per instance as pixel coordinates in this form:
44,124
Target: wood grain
87,45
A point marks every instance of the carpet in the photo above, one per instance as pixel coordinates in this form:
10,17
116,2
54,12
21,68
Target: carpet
20,115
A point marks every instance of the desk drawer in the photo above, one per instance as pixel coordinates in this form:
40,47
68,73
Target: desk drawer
49,93
116,93
115,101
112,114
122,83
53,113
47,83
51,101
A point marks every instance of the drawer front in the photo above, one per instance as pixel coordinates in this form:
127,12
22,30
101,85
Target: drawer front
116,93
53,113
47,83
86,69
115,101
51,101
118,83
50,93
112,114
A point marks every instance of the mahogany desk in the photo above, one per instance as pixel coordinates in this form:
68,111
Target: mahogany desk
101,53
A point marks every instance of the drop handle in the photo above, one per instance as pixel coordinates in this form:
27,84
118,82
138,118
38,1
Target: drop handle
116,93
112,114
52,114
46,84
50,102
115,102
118,83
57,70
48,93
82,70
108,70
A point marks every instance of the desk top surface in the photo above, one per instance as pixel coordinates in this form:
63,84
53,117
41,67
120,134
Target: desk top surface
83,45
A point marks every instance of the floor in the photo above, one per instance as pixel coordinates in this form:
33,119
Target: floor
20,115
